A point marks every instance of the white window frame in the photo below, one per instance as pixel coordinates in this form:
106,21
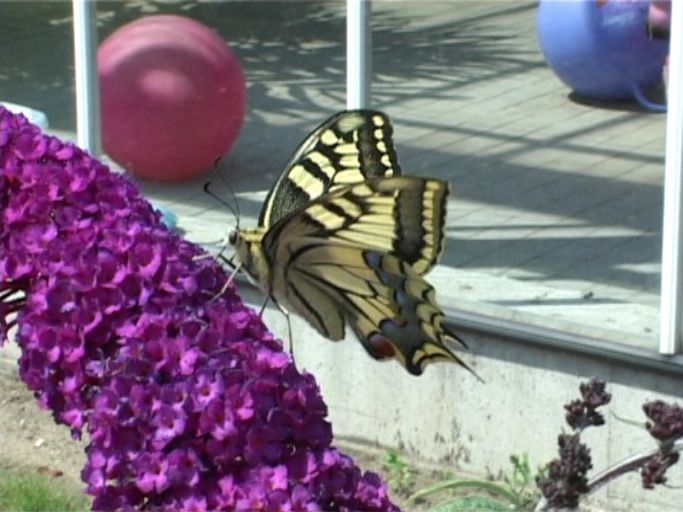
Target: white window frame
671,306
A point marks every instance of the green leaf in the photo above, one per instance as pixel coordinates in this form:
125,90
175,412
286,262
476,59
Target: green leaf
478,485
475,502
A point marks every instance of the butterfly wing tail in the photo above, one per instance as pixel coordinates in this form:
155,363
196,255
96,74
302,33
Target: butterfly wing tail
418,332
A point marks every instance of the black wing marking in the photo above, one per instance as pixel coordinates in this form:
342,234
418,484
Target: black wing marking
349,147
390,308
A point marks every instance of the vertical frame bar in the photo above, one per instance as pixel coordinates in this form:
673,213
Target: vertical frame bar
87,84
672,232
358,53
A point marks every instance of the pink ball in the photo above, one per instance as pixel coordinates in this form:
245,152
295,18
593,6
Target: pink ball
173,97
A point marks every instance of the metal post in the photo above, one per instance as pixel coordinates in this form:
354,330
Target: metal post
672,233
358,54
87,86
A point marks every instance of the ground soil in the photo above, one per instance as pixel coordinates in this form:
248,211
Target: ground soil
31,440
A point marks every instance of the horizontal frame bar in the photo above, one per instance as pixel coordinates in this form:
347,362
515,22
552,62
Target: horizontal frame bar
544,337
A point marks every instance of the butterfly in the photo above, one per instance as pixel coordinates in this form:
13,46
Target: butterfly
343,238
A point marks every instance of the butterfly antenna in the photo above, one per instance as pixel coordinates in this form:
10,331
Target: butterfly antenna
207,189
237,206
232,193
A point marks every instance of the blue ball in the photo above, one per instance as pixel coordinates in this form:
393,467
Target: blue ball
601,48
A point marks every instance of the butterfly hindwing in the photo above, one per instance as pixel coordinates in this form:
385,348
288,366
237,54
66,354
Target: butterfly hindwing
349,147
415,335
389,307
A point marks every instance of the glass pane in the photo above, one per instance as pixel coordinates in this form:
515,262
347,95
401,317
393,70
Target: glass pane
557,203
555,215
37,60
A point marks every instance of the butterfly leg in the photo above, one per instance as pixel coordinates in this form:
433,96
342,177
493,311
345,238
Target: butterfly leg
290,343
263,308
236,268
202,257
289,334
224,246
228,262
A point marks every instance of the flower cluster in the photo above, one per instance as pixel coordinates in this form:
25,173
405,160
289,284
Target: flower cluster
666,420
566,479
654,470
665,425
189,401
582,413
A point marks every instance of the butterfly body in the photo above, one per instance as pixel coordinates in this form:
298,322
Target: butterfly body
248,246
344,239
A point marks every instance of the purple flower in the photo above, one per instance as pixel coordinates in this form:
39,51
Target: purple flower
194,503
185,466
583,413
254,498
152,473
666,420
217,420
265,445
169,423
189,402
566,479
207,386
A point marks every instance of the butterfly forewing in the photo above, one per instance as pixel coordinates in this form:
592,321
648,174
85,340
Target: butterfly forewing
348,148
403,216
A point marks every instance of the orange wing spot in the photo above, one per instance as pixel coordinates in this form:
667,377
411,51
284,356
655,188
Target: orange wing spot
382,348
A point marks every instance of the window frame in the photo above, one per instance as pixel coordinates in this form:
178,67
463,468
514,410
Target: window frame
358,71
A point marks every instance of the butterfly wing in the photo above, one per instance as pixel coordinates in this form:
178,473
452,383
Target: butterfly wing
402,216
350,257
349,147
391,309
